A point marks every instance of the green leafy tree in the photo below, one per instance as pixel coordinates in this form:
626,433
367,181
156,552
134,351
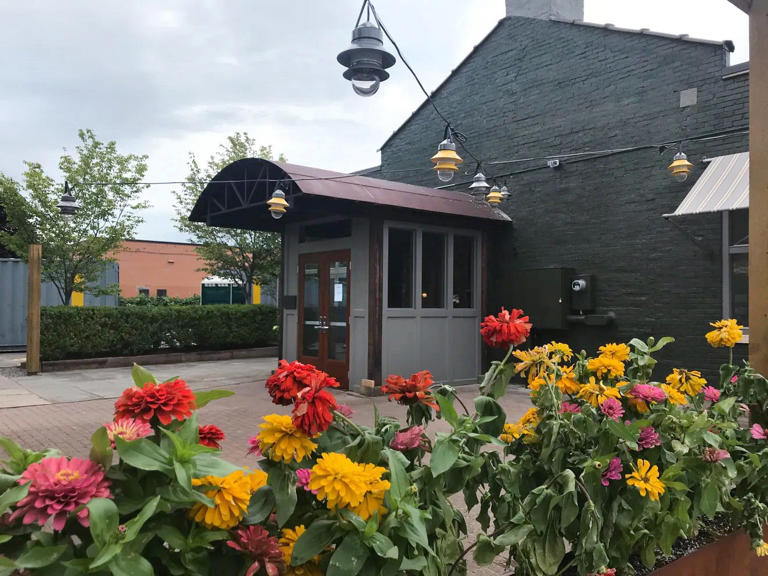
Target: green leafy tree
75,249
246,257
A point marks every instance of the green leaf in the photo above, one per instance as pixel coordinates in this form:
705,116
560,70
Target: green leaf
349,557
414,527
710,497
15,452
316,538
189,430
101,449
173,536
447,411
444,456
203,397
131,565
383,546
724,406
141,376
144,455
485,551
513,537
413,564
11,496
104,520
135,524
398,477
661,343
283,485
40,556
261,505
106,554
488,407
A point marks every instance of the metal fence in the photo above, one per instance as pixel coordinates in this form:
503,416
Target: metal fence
13,299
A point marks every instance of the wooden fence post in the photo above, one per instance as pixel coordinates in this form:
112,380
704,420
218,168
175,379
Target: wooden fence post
33,309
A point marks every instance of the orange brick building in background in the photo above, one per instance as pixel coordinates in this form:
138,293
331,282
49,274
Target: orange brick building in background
159,269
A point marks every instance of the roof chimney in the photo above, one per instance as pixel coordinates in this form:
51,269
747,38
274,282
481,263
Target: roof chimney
546,9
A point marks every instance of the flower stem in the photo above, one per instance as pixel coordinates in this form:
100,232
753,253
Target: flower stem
349,422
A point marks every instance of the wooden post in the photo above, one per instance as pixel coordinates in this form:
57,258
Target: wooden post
758,186
33,309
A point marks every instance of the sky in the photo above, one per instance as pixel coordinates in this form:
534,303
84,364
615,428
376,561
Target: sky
173,77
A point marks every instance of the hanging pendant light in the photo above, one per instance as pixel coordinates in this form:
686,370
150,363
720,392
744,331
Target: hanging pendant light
479,184
277,204
366,59
494,196
680,167
68,205
504,192
446,160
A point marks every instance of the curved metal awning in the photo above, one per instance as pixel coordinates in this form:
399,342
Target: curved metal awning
236,197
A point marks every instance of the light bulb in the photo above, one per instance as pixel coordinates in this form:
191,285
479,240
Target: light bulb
680,176
365,84
276,214
445,175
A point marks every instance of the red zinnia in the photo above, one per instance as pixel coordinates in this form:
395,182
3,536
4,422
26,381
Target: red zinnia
509,328
263,549
211,435
167,401
313,411
284,385
415,390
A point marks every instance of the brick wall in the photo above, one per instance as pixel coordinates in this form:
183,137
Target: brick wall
536,88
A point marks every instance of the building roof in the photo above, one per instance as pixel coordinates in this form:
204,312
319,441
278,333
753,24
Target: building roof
727,44
233,190
723,186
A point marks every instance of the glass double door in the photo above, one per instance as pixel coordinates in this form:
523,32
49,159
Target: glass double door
324,312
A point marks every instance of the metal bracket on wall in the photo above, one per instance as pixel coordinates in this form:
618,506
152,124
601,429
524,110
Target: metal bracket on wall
696,240
593,319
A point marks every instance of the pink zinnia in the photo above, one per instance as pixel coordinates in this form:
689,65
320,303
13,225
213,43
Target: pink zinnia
648,393
407,439
648,438
58,486
263,550
735,378
613,472
711,393
758,432
569,408
304,474
712,454
612,409
255,443
129,429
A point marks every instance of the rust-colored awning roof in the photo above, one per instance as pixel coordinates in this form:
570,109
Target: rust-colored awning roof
245,186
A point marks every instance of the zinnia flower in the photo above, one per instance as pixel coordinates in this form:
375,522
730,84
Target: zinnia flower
725,335
559,351
287,542
762,549
567,381
536,384
507,328
712,454
645,478
712,394
595,393
687,381
167,401
313,410
569,408
255,445
231,495
375,490
415,390
648,393
532,362
256,543
343,483
211,435
618,352
524,428
58,486
674,395
407,439
282,441
606,366
613,472
648,438
129,429
284,385
758,432
612,408
303,475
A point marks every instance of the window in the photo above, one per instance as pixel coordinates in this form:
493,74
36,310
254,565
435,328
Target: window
463,271
143,291
735,265
400,268
432,270
162,292
325,231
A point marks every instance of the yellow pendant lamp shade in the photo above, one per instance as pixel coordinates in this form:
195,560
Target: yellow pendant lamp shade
446,160
494,196
277,204
680,167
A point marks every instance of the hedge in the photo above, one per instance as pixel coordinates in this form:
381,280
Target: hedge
93,332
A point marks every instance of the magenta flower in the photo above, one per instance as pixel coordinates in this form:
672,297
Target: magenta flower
758,432
263,550
648,393
712,454
407,439
304,475
569,408
129,429
711,393
345,410
648,438
613,472
255,445
734,378
612,408
58,486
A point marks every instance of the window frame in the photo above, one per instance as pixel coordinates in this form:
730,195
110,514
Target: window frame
727,250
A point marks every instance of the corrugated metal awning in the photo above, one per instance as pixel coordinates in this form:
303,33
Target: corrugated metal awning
723,186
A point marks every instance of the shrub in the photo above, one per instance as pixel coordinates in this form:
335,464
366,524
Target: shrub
159,301
90,332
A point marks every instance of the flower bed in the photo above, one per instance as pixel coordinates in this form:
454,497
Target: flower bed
607,468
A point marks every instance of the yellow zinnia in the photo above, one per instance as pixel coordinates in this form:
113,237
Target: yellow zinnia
595,392
338,480
231,495
606,365
511,432
525,428
281,440
618,352
532,362
687,381
560,351
725,335
376,488
537,383
645,478
762,549
674,396
567,382
287,542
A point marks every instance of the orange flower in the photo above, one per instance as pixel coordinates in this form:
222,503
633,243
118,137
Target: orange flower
415,390
167,401
313,411
508,328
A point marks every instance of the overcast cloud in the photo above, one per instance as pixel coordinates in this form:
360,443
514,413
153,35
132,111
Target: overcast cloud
166,78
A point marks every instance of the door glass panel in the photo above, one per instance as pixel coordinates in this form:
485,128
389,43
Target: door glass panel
338,292
310,341
400,268
463,271
432,270
740,288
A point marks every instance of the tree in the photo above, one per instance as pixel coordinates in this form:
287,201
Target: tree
246,257
75,249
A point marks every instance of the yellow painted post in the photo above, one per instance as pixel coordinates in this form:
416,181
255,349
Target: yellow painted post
78,298
758,186
256,299
33,308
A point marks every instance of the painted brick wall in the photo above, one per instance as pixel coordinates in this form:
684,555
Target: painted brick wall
536,88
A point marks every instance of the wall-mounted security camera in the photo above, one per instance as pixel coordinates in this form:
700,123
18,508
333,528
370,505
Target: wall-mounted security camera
582,293
579,285
553,163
